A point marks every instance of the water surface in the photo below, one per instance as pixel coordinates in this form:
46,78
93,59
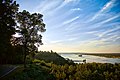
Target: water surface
89,58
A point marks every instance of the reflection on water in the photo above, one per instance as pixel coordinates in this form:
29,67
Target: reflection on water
90,58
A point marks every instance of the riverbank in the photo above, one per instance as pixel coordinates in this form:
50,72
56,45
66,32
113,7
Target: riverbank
50,69
90,58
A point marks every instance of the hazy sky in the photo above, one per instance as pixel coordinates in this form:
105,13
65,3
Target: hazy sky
78,25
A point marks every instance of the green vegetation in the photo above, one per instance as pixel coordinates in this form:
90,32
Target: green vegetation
92,71
89,71
49,68
49,71
15,49
41,65
13,73
28,28
52,57
8,10
33,72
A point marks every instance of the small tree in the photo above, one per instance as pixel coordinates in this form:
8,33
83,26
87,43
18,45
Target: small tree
29,28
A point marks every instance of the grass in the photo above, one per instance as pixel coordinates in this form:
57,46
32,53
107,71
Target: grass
32,72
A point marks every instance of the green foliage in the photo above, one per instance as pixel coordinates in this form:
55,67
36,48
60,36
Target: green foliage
27,25
41,70
52,57
33,72
8,10
36,61
17,54
89,71
28,28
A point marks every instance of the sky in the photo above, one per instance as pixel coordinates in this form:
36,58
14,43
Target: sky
78,25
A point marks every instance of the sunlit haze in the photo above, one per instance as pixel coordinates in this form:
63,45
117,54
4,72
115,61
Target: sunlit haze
78,25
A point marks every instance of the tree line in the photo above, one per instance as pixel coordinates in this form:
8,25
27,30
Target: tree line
26,25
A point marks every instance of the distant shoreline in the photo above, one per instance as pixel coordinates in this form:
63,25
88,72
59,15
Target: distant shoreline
108,55
83,53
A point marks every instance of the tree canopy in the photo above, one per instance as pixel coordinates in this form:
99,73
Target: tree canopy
28,26
8,10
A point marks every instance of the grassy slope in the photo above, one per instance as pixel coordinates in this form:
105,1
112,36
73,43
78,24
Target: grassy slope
32,72
52,57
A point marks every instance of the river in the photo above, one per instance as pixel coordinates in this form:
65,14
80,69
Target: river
89,58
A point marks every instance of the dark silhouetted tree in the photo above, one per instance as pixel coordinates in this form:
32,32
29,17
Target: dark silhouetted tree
29,28
8,10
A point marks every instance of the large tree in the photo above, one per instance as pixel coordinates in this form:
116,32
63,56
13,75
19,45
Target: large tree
29,27
8,11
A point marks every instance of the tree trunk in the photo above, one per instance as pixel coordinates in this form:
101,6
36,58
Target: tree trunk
24,52
24,59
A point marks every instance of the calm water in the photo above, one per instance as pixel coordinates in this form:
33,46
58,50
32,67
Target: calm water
89,58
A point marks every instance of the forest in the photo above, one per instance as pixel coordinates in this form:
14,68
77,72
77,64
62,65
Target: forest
21,52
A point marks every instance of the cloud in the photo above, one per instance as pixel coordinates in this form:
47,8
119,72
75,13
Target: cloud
118,37
108,5
71,20
56,41
106,35
76,9
73,35
98,43
110,19
95,45
71,26
40,6
61,17
108,31
60,41
47,6
66,2
105,7
94,24
71,39
91,47
92,32
111,39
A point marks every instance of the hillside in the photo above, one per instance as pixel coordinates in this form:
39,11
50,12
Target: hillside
52,57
